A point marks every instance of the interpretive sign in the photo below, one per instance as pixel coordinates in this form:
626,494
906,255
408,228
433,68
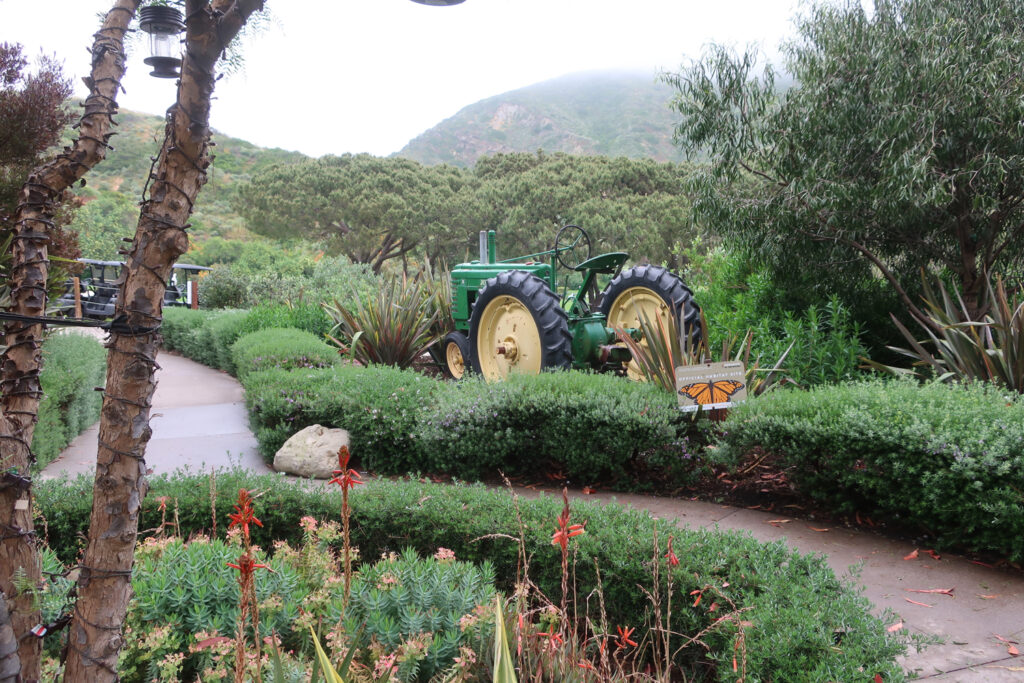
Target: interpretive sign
710,386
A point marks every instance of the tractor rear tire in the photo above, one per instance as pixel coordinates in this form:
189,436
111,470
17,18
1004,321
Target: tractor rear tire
656,292
518,325
456,355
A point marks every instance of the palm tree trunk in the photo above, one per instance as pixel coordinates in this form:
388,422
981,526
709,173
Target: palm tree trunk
104,584
22,361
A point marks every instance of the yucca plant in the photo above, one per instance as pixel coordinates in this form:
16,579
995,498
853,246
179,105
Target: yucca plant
394,327
958,348
667,348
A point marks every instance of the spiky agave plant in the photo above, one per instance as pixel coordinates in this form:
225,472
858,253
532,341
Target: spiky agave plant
394,327
958,348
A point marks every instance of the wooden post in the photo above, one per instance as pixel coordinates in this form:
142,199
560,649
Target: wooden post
193,287
77,284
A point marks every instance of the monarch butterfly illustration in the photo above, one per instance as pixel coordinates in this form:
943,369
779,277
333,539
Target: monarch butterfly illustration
706,393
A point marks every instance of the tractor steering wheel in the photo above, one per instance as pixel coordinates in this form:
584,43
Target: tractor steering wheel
572,246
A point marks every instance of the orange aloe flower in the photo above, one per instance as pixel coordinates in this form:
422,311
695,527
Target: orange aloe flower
344,477
624,637
673,561
244,514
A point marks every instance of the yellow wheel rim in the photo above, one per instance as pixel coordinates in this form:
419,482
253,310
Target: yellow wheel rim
456,363
508,339
625,313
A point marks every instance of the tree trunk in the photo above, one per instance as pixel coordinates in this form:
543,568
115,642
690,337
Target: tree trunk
22,361
104,584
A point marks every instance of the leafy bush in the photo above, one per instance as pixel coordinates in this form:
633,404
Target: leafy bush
593,426
378,406
948,460
306,316
286,348
250,282
738,297
73,366
796,604
179,323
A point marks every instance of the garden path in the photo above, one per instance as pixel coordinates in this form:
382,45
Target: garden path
199,422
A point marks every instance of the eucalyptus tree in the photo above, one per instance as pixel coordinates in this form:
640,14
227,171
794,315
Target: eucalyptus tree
897,148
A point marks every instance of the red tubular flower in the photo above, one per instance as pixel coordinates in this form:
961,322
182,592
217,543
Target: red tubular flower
673,561
624,637
246,565
565,531
244,514
344,477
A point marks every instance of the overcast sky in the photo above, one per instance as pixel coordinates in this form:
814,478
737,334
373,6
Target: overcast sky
335,76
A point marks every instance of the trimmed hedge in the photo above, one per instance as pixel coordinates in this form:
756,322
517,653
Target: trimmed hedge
401,421
591,425
794,604
379,407
206,336
73,366
944,459
284,348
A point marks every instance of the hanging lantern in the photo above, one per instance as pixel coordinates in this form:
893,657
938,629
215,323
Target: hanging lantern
163,24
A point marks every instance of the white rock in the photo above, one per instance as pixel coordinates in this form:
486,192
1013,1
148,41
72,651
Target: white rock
313,452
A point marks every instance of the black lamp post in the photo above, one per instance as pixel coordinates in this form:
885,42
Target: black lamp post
163,24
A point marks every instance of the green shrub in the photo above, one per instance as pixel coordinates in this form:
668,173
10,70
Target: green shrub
592,426
179,323
402,596
947,460
378,406
796,604
73,366
737,296
224,331
309,317
285,348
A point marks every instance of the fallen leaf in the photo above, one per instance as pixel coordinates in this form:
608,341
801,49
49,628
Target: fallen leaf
1005,640
895,627
587,491
856,516
943,591
911,556
814,528
753,507
934,555
777,522
988,597
1012,650
915,602
983,564
878,678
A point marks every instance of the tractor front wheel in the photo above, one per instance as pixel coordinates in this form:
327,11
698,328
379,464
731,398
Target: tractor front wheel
651,292
518,325
456,355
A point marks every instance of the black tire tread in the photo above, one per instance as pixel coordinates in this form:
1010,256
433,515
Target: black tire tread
552,322
669,286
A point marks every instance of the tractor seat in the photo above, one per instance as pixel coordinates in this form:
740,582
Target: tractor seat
605,263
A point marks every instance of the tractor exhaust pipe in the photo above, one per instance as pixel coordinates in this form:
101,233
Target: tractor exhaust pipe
483,247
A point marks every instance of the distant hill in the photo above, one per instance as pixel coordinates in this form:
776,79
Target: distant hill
591,113
138,139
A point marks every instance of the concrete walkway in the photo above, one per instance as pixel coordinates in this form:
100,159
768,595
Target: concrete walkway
199,422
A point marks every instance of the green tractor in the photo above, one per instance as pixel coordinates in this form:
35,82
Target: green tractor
509,319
